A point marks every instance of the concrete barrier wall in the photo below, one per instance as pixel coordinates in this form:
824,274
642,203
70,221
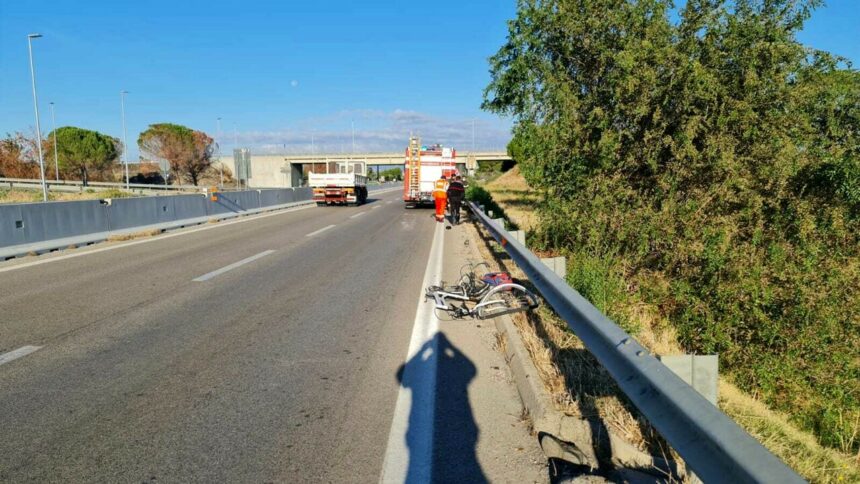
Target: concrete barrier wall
235,202
48,221
275,197
39,227
189,206
125,213
303,193
11,225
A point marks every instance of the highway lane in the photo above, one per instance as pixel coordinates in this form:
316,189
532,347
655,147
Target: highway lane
281,369
71,293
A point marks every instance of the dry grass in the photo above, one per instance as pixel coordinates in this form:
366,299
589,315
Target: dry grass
135,235
21,195
579,386
516,197
795,447
576,383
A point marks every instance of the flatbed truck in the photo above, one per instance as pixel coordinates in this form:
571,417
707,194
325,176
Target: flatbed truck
346,186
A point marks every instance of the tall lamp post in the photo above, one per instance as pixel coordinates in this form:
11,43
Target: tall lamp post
124,136
237,157
473,136
56,159
218,147
30,38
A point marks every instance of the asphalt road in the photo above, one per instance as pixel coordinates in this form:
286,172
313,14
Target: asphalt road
281,369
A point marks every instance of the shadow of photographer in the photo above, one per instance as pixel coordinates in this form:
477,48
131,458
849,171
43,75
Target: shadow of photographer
442,434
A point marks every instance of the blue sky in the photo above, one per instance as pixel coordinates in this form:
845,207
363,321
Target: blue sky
280,72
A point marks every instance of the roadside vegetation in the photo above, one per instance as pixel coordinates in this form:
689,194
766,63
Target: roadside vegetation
702,176
391,174
86,155
189,152
579,385
23,195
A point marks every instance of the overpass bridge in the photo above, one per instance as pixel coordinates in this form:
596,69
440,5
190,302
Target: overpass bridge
283,170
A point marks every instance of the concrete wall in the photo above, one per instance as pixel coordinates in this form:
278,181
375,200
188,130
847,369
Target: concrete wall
265,171
41,227
23,223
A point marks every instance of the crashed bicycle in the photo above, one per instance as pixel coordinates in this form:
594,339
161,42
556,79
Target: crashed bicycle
482,297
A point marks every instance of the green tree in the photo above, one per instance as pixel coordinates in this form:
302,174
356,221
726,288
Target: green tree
188,152
83,151
712,162
392,174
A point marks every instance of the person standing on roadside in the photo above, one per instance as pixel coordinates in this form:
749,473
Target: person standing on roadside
456,194
440,196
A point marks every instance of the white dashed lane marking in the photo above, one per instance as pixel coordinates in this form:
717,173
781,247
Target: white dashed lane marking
315,232
206,277
15,354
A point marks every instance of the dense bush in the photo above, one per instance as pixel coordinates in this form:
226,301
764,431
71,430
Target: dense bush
18,157
713,163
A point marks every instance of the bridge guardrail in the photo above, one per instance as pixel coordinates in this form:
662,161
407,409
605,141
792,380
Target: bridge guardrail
715,447
11,182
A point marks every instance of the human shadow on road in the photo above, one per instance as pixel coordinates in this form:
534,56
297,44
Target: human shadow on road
441,422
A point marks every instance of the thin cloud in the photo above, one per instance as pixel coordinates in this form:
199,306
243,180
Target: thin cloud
377,131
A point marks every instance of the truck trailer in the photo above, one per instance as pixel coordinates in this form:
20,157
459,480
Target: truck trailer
424,165
346,186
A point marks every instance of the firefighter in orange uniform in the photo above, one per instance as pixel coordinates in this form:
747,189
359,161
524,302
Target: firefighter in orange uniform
440,196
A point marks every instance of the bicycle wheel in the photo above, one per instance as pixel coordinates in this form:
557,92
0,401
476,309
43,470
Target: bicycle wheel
505,299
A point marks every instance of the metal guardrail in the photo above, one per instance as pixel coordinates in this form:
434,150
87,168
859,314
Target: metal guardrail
11,182
72,183
711,443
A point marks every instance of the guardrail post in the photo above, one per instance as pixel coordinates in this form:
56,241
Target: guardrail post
699,371
519,236
557,264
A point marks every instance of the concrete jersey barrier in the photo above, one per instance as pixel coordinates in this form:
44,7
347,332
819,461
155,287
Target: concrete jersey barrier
27,228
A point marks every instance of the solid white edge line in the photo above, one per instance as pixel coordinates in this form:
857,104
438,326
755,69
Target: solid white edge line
210,275
156,238
315,232
15,354
359,214
415,458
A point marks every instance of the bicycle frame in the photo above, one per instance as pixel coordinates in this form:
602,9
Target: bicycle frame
487,306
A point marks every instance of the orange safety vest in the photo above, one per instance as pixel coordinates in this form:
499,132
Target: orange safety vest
441,189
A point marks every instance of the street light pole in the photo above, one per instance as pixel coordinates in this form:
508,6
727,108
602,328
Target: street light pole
473,136
124,136
56,160
220,161
237,156
30,38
